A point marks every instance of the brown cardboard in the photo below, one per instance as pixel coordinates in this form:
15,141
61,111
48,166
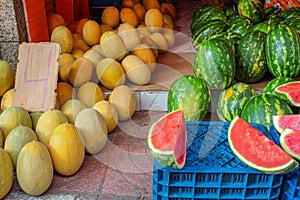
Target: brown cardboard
36,76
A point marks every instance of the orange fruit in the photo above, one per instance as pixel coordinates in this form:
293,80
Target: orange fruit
81,71
79,25
81,44
140,11
54,20
127,15
149,4
64,92
110,16
91,32
65,63
154,19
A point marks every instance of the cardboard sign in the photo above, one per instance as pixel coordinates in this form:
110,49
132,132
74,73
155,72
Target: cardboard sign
36,76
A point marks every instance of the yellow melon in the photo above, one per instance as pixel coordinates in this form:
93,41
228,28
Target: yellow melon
63,36
91,32
90,93
169,9
79,25
64,92
7,77
109,41
66,149
127,15
109,112
110,16
8,99
140,11
169,36
168,22
151,44
34,168
6,173
47,122
12,117
15,141
35,116
54,20
129,35
146,54
81,71
160,41
154,20
71,108
136,70
110,73
77,53
93,129
65,63
143,31
98,49
94,56
122,97
1,139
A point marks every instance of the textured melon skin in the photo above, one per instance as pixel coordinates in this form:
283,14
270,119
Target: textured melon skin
288,140
277,81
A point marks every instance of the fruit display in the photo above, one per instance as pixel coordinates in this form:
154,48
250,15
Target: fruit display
289,92
282,122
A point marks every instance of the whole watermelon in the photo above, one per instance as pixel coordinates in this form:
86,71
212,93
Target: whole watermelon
215,63
252,9
267,25
251,58
232,100
274,83
283,51
239,24
191,95
261,108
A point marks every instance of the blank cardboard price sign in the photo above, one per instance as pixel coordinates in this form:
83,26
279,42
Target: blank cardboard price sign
36,76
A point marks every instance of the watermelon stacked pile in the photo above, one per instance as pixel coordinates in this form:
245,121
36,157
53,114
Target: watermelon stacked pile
243,46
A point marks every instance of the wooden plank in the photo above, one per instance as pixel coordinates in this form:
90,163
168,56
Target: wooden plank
36,76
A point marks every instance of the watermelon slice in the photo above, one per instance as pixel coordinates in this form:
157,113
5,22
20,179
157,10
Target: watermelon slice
257,150
290,92
167,139
289,141
282,122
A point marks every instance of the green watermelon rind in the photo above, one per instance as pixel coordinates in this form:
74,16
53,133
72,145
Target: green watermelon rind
166,158
291,165
286,96
275,82
284,146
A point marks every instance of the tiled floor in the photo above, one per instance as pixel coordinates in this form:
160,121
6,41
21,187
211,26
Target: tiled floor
122,170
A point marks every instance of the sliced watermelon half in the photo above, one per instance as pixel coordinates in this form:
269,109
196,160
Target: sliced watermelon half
282,122
257,150
167,139
290,142
290,92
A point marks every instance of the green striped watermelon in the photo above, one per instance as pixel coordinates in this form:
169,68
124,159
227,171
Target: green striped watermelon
232,100
239,24
272,12
167,139
207,30
251,58
215,63
191,95
252,9
283,51
275,82
266,25
256,150
294,22
261,108
229,11
291,12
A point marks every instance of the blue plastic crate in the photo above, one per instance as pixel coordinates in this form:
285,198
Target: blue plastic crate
291,190
212,171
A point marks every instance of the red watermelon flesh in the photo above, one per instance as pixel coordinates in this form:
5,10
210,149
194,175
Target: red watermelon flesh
282,122
167,139
256,149
292,91
290,142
